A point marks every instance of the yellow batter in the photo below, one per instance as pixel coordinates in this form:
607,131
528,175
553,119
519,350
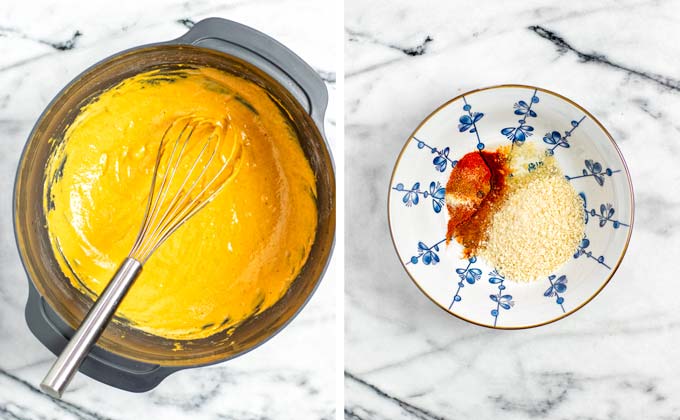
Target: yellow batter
233,259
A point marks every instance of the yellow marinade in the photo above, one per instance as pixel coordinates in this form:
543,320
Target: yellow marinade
236,257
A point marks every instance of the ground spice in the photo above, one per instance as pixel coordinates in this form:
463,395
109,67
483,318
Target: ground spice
475,188
468,185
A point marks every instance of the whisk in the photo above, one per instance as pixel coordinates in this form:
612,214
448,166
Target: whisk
190,170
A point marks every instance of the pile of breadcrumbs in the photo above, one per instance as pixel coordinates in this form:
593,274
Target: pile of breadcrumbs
538,226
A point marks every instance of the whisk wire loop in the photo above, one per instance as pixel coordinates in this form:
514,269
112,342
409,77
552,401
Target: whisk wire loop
176,195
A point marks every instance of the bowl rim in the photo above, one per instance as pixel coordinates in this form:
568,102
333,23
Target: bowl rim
614,145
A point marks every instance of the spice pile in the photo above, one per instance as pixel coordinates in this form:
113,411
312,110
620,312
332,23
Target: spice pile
525,222
475,188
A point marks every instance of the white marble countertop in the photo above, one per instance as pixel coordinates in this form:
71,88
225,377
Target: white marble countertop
43,45
614,359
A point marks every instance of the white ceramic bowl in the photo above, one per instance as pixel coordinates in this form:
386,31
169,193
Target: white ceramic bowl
488,118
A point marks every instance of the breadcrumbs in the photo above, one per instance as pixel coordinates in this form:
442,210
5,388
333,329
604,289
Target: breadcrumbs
539,225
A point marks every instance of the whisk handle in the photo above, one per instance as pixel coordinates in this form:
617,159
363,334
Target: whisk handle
70,359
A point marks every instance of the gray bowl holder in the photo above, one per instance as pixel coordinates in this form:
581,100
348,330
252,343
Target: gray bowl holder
275,60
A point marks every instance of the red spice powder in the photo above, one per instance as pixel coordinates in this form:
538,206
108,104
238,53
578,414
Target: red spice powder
475,187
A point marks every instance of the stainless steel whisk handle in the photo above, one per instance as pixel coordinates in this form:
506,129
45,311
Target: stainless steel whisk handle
70,359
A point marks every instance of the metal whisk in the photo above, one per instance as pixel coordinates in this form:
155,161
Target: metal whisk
190,170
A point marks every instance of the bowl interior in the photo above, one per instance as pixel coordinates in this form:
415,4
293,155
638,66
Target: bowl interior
69,303
588,157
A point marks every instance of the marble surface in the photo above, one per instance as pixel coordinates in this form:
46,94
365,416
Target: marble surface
43,45
614,359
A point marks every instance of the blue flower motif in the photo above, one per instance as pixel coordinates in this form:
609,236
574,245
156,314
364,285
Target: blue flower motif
502,301
558,285
468,122
523,130
470,275
428,254
522,108
437,192
467,274
518,134
605,215
532,166
582,250
595,170
411,196
442,159
556,140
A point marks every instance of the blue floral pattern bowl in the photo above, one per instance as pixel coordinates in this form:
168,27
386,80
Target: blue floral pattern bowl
471,289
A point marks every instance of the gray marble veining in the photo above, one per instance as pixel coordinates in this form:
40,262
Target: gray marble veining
43,45
613,359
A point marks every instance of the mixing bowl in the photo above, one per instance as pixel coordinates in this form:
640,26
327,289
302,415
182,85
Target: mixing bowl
126,357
